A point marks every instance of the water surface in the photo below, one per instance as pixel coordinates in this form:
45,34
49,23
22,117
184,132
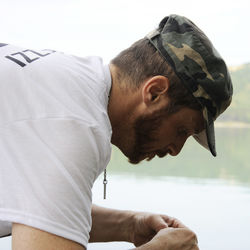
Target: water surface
210,195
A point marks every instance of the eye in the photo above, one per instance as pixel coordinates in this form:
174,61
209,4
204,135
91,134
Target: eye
182,132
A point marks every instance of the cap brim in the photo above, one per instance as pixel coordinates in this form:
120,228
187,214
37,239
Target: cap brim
207,137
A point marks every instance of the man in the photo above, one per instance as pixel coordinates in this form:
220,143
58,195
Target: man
59,114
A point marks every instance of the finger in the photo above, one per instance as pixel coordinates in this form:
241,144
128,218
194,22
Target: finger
157,223
173,222
195,248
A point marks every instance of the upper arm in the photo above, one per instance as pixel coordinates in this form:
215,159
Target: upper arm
29,238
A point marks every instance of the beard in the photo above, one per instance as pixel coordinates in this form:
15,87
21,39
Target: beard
145,129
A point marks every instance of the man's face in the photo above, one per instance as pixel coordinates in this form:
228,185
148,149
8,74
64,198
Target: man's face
160,134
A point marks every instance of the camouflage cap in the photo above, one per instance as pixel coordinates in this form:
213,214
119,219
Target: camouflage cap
199,67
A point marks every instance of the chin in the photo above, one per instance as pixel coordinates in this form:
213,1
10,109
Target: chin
136,160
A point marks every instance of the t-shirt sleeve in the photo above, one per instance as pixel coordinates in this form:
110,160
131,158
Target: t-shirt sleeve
48,167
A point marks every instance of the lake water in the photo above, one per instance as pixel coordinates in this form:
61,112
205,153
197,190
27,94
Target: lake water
210,195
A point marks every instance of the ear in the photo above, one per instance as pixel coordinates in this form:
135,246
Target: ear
154,88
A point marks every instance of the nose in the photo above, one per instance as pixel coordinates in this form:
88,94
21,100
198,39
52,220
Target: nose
175,148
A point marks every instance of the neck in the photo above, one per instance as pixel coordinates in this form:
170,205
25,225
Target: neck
121,109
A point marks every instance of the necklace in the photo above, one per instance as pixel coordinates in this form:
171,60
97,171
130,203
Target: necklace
105,181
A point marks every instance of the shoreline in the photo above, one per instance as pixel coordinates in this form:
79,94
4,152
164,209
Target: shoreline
231,125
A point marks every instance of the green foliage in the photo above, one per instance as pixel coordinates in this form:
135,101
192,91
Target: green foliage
240,107
231,164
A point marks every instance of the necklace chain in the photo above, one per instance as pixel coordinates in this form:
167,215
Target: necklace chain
105,182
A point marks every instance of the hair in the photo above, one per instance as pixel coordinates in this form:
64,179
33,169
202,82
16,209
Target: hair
142,61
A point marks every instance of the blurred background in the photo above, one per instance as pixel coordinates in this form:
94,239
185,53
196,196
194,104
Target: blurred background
210,195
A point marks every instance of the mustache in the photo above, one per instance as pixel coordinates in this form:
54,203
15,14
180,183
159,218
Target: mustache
159,154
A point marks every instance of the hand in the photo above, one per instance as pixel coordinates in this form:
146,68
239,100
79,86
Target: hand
172,238
147,225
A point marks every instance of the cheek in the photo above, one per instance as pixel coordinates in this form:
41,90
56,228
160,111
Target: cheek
167,134
163,140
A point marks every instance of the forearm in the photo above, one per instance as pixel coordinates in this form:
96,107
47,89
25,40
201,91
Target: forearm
110,224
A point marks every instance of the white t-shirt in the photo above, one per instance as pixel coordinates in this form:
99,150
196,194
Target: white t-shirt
54,139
